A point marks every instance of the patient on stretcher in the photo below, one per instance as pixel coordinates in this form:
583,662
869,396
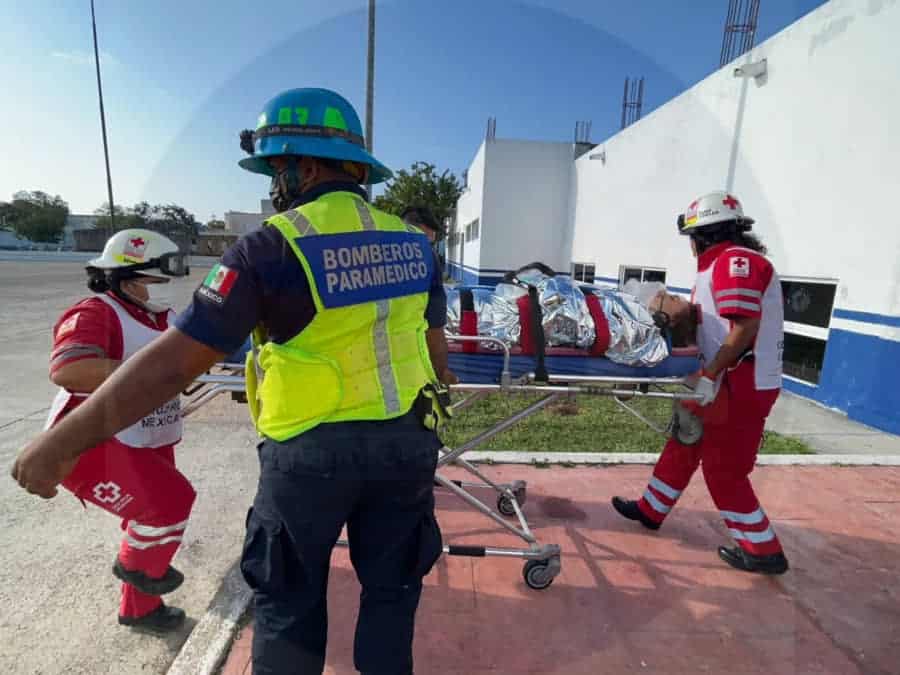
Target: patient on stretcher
626,326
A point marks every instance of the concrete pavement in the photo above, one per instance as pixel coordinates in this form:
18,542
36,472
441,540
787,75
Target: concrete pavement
827,431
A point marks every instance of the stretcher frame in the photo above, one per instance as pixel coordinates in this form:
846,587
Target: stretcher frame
542,560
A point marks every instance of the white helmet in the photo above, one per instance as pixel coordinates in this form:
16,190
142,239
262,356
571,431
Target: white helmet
711,209
144,251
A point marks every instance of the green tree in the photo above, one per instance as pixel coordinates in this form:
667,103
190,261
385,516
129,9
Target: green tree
7,213
36,216
165,218
421,185
124,218
174,218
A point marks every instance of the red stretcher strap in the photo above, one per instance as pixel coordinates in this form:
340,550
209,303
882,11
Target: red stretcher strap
468,320
527,338
601,325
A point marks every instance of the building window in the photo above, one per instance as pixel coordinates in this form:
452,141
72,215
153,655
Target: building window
472,230
803,357
808,304
644,274
583,272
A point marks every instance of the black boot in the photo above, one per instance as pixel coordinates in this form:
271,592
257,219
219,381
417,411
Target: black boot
763,564
162,620
630,510
171,580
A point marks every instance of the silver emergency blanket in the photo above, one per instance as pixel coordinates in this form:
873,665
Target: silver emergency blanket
566,319
496,309
634,338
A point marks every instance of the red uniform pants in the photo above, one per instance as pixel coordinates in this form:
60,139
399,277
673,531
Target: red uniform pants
733,430
143,487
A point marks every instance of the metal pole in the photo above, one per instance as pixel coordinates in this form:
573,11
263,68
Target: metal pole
112,209
370,83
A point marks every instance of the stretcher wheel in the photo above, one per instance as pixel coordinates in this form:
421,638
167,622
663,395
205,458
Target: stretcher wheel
505,506
538,574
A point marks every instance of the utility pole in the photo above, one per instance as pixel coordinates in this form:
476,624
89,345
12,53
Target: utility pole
112,208
370,83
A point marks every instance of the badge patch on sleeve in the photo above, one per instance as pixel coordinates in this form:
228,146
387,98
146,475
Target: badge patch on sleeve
68,326
739,267
218,283
356,267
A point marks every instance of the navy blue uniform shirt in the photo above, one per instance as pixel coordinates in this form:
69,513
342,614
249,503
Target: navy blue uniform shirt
266,284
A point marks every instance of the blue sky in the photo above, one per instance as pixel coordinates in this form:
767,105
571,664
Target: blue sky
182,78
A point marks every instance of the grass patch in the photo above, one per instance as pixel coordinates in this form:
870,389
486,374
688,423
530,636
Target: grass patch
582,424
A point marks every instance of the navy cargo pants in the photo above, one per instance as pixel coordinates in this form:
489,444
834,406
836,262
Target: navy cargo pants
378,478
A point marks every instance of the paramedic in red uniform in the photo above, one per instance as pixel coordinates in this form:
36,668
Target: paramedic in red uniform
738,305
133,474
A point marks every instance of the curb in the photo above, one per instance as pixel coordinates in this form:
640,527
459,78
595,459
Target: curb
606,458
208,645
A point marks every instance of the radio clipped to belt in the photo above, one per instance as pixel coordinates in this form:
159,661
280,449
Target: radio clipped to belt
432,406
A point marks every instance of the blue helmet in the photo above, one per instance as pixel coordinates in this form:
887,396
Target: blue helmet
310,122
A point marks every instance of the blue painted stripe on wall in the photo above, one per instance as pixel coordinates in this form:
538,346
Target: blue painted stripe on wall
868,317
859,377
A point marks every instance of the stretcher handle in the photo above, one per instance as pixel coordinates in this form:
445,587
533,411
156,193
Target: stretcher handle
511,277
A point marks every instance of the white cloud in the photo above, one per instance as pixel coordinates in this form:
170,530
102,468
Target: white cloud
82,58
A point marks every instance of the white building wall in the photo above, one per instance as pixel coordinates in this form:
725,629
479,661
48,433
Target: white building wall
465,257
810,151
526,201
519,192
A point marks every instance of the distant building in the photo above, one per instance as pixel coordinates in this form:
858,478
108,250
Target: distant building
74,223
242,222
9,241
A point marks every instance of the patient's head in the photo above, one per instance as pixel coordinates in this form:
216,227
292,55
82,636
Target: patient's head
674,309
676,314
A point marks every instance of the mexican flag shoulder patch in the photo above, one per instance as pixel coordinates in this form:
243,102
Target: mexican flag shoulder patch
220,280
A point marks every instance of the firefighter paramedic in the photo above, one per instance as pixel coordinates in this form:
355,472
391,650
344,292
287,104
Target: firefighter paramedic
738,304
342,302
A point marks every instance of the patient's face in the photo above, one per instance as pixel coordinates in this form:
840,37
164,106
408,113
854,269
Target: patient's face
677,308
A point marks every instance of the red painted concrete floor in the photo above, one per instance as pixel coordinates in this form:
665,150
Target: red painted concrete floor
633,601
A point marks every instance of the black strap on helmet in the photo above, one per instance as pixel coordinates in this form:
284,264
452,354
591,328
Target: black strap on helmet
249,137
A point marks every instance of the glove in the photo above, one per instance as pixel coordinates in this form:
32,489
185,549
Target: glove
706,387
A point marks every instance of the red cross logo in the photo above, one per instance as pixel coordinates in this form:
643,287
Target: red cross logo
107,493
137,243
731,202
740,263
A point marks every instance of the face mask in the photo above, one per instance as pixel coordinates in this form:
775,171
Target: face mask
286,186
161,297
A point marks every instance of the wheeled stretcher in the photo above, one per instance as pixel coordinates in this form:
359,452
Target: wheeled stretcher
499,370
486,365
